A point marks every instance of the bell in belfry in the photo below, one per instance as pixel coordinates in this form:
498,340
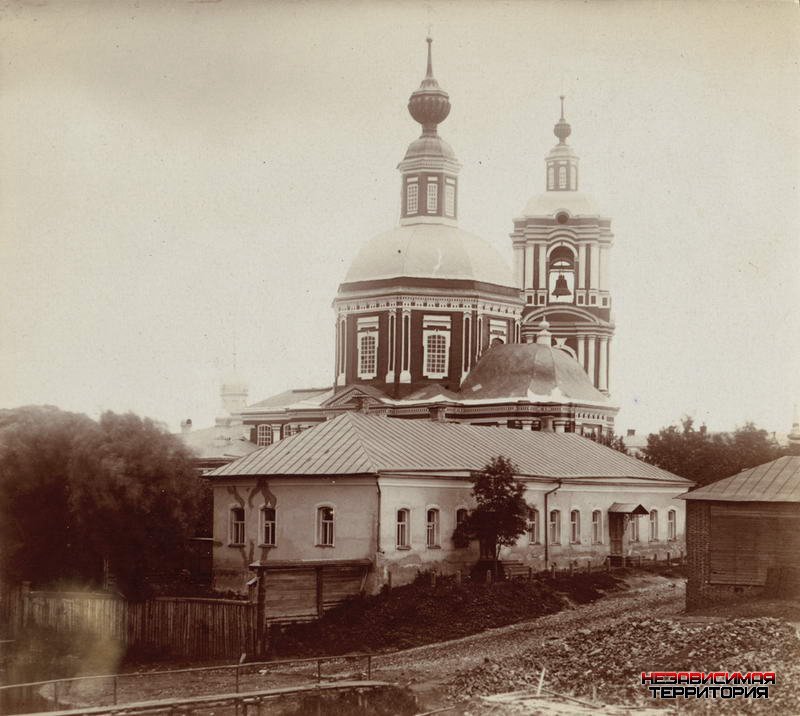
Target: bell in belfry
561,288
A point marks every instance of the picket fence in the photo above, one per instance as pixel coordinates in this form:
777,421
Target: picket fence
176,626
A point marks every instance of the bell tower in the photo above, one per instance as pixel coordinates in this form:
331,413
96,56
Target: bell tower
562,246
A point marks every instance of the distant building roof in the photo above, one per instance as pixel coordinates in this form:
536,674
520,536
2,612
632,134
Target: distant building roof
291,397
776,481
356,443
219,441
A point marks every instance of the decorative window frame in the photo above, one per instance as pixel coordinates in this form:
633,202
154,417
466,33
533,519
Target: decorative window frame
597,527
263,536
436,543
575,526
237,529
405,543
562,176
672,525
551,177
367,327
498,328
436,326
319,530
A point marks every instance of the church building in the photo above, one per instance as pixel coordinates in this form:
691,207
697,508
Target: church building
430,318
436,340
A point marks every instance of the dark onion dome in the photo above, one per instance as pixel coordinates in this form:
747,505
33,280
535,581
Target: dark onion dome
434,251
430,104
530,371
562,130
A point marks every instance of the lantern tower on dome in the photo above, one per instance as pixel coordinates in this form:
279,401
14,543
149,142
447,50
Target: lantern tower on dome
562,246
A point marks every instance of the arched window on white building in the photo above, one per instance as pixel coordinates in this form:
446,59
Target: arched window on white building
672,525
403,540
432,528
653,525
533,527
325,526
555,527
575,527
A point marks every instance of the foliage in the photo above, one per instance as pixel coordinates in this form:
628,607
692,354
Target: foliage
501,514
75,493
698,455
615,442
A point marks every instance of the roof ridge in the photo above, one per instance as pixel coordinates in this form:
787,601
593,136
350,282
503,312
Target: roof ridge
353,426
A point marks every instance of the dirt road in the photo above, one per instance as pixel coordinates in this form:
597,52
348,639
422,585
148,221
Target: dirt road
427,669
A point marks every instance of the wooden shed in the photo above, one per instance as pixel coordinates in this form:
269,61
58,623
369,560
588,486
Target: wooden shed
743,533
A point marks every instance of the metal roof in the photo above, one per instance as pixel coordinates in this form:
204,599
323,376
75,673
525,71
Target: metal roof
628,508
776,481
290,397
357,444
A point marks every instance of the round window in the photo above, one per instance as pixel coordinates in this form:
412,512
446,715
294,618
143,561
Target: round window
562,218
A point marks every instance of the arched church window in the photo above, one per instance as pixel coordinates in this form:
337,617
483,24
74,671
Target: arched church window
367,347
562,177
435,346
436,359
550,177
367,356
264,435
573,177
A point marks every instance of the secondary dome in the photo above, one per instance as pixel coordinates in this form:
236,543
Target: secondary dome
530,371
437,251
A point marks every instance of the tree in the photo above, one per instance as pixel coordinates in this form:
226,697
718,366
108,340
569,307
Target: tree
121,492
501,514
615,442
703,457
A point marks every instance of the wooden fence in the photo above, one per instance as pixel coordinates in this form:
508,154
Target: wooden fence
197,628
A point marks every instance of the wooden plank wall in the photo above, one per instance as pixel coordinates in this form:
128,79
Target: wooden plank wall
201,628
196,628
748,540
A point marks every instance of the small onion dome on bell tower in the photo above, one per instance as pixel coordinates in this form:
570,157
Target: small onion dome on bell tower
562,130
562,162
429,168
430,104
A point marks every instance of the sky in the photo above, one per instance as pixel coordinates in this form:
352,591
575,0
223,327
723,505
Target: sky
184,184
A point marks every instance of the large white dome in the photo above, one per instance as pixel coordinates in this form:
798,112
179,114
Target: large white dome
431,250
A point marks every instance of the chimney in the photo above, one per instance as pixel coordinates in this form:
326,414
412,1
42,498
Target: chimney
186,426
631,432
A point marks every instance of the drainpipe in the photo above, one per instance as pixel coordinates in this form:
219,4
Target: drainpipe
547,525
378,535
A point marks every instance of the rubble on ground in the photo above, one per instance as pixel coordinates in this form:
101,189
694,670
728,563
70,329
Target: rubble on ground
604,664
